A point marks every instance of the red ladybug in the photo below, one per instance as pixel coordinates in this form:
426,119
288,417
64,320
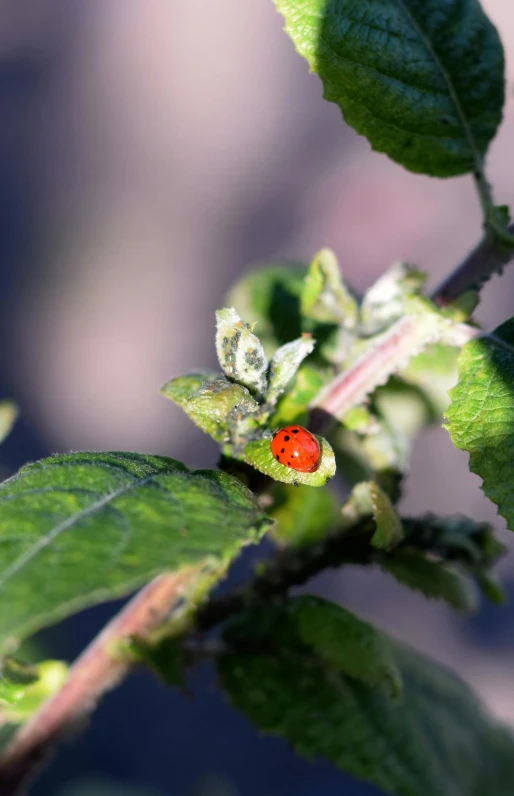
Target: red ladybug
297,448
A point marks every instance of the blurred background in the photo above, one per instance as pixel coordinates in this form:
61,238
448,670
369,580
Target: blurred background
150,153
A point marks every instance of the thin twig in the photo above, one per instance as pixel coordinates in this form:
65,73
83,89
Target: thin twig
486,259
96,671
291,567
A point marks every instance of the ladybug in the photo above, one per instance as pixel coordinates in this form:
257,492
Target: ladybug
297,448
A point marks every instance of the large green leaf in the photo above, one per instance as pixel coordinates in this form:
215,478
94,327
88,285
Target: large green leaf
421,79
346,643
434,739
80,528
481,415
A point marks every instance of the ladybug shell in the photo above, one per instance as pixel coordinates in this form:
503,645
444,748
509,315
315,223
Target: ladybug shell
295,447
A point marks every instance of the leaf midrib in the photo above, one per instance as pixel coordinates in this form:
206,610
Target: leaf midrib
45,540
447,79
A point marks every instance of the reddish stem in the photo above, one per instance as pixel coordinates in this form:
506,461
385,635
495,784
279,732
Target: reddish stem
96,671
486,259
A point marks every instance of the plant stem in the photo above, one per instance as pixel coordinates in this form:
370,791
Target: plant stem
374,367
486,259
291,567
403,340
97,670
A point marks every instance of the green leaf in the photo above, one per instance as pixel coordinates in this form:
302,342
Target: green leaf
258,454
240,352
361,420
481,414
47,679
348,645
166,658
8,417
285,363
302,515
461,539
325,297
80,528
431,577
293,407
269,297
368,499
434,371
423,80
384,302
464,542
15,676
434,738
211,401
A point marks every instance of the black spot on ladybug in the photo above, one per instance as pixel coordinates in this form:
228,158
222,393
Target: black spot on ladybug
277,457
287,438
295,430
283,450
289,464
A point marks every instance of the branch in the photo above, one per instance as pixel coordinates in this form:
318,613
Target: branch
403,340
486,259
95,672
291,567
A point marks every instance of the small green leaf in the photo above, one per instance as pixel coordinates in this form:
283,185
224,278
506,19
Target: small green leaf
8,417
166,658
284,364
15,676
434,371
491,588
461,539
258,454
240,352
423,80
384,302
349,645
433,578
433,738
293,407
269,296
211,401
325,297
361,420
481,415
48,679
302,515
81,528
368,499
